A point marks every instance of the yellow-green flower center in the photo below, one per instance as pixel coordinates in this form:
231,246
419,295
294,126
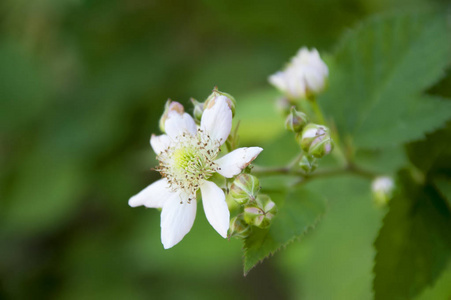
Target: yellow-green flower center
188,161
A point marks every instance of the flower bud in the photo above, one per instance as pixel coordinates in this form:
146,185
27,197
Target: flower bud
244,188
296,120
308,164
198,110
322,148
239,228
230,100
260,212
168,107
315,140
382,188
304,76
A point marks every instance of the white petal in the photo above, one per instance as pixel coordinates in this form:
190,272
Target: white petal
177,218
232,163
177,124
160,143
152,196
215,207
217,120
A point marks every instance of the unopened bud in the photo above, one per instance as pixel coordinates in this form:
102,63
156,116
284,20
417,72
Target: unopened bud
315,140
239,228
211,100
244,188
382,188
322,148
308,164
168,107
198,110
260,212
296,120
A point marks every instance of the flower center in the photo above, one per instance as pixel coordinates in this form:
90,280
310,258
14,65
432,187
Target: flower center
188,161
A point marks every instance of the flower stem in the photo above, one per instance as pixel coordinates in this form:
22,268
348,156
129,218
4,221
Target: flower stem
349,169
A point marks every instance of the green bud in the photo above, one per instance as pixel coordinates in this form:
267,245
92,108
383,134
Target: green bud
168,107
239,228
244,188
260,212
308,164
230,100
315,140
312,133
322,147
198,110
296,120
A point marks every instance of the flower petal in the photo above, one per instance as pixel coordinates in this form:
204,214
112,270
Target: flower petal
217,120
177,218
232,163
160,143
152,196
215,207
176,124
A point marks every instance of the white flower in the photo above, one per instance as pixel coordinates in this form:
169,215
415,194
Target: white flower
306,74
187,156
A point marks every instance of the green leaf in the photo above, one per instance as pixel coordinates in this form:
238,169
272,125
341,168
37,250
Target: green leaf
432,155
414,243
377,75
301,211
443,185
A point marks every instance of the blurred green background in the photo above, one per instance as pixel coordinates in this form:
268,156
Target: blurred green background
82,86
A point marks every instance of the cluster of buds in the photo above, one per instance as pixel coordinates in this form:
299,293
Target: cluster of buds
199,107
258,209
315,140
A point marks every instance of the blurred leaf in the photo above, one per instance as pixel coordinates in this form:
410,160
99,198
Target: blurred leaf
377,75
433,154
414,243
301,211
444,187
383,161
335,261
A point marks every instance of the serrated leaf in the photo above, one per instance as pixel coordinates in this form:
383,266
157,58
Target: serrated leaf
377,76
301,211
414,243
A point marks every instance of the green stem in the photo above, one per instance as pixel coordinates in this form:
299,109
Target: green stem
317,110
349,169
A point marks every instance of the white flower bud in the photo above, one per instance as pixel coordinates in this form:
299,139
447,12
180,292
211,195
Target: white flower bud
260,212
168,107
305,75
382,188
211,100
312,134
